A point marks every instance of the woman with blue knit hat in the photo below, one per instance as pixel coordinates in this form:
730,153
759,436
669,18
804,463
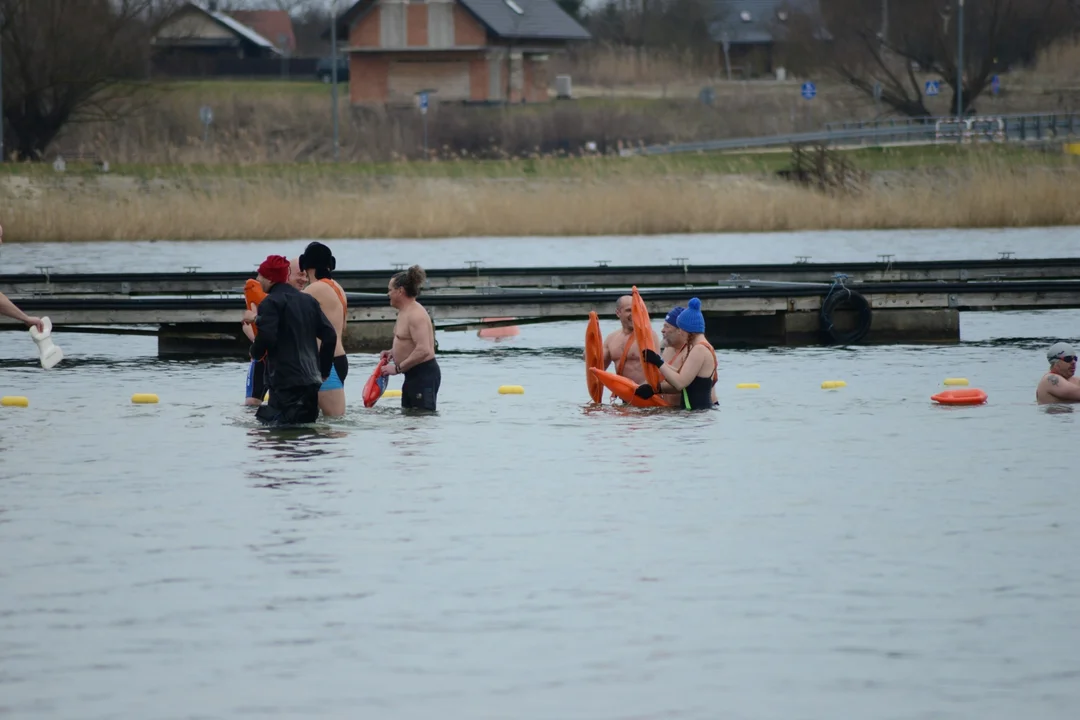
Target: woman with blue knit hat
696,376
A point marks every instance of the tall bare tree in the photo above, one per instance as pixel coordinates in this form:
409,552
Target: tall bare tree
67,61
921,38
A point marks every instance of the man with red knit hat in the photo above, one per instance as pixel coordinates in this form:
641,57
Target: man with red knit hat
291,326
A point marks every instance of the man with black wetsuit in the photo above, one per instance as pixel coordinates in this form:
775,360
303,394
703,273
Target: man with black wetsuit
291,325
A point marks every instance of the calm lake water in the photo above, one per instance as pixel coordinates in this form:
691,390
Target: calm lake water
800,553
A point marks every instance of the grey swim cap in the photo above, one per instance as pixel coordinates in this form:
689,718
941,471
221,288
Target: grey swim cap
1059,350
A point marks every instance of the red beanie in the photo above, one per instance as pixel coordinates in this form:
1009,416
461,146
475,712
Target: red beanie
275,268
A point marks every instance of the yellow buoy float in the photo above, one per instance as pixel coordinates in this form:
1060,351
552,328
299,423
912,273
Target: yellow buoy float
511,390
956,381
833,384
392,394
144,398
14,401
748,386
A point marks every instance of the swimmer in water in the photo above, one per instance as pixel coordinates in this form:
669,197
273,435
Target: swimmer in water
413,352
256,376
696,376
298,341
674,343
621,344
318,264
1060,385
676,350
9,308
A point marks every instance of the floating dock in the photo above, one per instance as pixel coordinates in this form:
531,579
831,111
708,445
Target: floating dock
740,312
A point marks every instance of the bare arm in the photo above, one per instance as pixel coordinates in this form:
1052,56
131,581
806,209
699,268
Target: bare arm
8,308
424,336
678,379
1062,389
246,326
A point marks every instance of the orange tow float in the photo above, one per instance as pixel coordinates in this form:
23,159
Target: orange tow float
497,333
623,387
253,295
375,385
965,396
643,335
594,356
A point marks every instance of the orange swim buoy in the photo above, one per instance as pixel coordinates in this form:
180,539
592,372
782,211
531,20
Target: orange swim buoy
253,295
494,333
643,335
375,385
594,356
623,388
966,396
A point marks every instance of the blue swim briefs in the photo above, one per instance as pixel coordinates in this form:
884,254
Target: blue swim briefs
335,381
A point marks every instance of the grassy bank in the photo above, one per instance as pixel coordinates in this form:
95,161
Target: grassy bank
946,188
596,167
268,121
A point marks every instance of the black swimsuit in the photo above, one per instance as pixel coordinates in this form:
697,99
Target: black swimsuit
698,394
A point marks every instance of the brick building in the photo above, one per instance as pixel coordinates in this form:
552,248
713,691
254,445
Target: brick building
462,50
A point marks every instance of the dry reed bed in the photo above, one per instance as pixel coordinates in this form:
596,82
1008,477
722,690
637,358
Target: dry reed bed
416,208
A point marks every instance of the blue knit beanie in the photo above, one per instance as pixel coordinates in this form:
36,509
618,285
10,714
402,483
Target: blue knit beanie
673,315
691,320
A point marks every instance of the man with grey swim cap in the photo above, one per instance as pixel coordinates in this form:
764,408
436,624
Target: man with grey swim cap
1060,384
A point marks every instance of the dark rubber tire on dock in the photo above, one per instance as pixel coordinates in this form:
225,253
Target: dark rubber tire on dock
848,300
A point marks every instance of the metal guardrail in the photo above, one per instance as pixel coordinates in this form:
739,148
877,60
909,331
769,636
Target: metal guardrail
875,133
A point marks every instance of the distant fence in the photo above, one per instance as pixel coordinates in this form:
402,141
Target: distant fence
912,131
226,66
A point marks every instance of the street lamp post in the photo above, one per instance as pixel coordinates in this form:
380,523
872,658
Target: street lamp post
1,86
333,74
884,21
960,60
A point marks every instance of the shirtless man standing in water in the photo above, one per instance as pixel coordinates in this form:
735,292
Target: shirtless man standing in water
620,346
1060,385
318,264
414,343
